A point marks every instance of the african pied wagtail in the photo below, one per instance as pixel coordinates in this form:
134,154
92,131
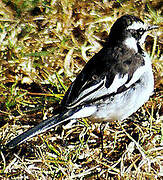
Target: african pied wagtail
113,84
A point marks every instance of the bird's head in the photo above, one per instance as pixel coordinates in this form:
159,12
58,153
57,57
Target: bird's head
128,28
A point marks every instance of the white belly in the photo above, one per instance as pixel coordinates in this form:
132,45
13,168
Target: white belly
126,103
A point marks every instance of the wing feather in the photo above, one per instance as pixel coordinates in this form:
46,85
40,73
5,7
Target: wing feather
105,74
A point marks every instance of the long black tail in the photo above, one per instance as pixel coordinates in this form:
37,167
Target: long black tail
40,128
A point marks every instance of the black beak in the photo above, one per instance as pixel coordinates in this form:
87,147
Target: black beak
152,27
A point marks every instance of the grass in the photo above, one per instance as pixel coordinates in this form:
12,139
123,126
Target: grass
43,46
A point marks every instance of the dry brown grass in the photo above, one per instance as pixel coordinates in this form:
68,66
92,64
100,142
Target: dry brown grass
43,45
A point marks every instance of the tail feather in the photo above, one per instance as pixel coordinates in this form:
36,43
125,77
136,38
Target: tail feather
66,115
40,128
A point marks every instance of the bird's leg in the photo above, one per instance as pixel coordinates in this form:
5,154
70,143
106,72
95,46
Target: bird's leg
102,127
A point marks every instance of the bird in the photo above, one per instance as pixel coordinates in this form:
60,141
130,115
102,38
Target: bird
113,84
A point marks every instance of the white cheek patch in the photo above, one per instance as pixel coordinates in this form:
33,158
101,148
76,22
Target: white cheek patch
131,43
142,40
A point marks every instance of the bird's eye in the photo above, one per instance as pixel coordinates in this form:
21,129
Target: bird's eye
141,31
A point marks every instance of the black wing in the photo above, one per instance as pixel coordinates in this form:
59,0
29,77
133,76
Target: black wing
106,73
